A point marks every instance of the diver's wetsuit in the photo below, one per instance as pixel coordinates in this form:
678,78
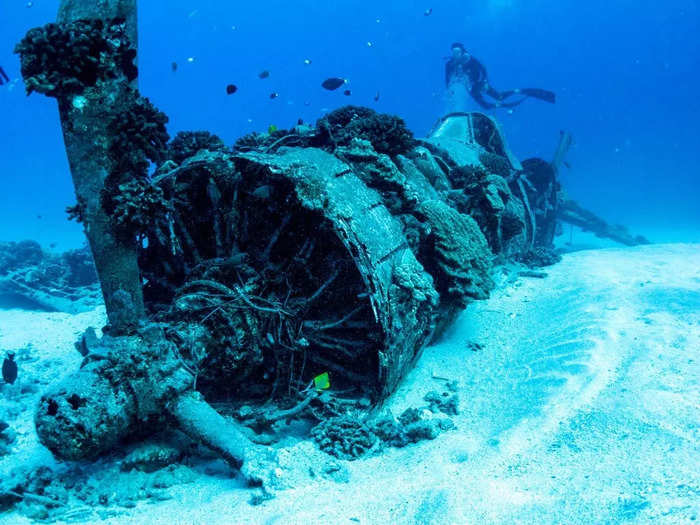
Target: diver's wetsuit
469,70
3,76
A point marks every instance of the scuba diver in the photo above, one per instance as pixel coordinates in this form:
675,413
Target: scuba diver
464,75
3,77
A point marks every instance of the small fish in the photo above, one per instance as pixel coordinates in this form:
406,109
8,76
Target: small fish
3,76
274,95
231,89
333,83
376,96
567,164
263,192
347,92
173,67
322,381
9,368
307,103
300,122
428,12
264,74
271,129
87,342
307,61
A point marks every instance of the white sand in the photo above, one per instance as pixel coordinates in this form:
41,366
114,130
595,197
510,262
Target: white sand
44,351
582,407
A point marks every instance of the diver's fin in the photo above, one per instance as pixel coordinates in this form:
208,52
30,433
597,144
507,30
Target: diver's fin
510,104
542,94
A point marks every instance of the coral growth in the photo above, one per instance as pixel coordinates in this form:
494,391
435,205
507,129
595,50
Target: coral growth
539,256
412,426
138,136
187,143
36,279
445,402
15,255
81,268
495,164
76,494
387,133
300,137
348,438
455,253
467,176
65,59
134,204
77,211
487,198
258,141
344,437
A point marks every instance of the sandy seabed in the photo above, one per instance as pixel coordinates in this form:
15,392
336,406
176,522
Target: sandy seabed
582,405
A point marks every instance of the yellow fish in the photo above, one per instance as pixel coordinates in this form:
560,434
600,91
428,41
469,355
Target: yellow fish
322,381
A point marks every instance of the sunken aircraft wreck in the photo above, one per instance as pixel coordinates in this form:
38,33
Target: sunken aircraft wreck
337,250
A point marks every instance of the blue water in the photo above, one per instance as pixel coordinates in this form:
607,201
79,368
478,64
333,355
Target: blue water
625,73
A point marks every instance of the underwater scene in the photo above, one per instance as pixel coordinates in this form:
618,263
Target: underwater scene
349,262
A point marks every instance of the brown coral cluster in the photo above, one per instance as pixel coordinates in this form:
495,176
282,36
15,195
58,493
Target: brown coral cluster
64,59
387,133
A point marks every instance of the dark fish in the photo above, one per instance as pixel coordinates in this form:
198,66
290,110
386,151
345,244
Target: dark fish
428,12
173,66
3,76
274,95
88,342
331,84
300,122
376,96
9,368
347,92
231,89
264,74
567,164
